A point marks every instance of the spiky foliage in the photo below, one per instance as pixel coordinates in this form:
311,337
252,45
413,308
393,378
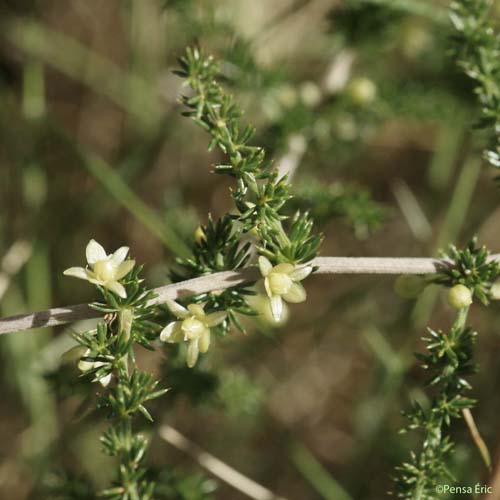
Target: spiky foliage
223,244
217,247
110,355
448,360
470,267
260,193
477,49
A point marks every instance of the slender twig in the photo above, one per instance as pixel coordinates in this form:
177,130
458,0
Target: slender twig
227,279
216,466
493,492
476,436
412,211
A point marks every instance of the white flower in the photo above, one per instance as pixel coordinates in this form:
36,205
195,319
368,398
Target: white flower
85,366
103,269
193,327
282,283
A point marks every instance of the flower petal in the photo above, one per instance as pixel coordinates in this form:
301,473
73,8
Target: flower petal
176,309
76,272
267,287
119,256
300,273
268,314
85,366
215,318
264,265
297,293
124,268
94,252
117,288
171,332
104,381
204,341
92,278
284,268
197,311
276,307
192,353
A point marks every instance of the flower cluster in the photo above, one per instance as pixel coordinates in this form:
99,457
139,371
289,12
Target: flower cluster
448,360
258,227
107,356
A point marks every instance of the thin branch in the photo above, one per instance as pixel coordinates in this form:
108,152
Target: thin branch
217,467
412,210
493,492
476,436
227,279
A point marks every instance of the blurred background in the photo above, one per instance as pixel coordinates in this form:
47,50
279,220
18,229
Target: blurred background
361,103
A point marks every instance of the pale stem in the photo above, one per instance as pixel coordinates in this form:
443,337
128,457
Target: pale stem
216,466
228,279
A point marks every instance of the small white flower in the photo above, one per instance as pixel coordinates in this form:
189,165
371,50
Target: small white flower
193,327
85,366
105,270
282,282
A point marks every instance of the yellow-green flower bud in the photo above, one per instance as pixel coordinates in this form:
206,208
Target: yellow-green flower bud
199,235
409,286
362,91
459,297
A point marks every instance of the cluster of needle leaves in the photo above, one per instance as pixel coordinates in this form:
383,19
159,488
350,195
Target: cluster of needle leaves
110,352
472,268
227,243
477,49
448,360
260,193
258,222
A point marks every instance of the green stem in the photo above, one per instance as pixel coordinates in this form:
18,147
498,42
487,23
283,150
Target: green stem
436,14
117,187
461,318
320,479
